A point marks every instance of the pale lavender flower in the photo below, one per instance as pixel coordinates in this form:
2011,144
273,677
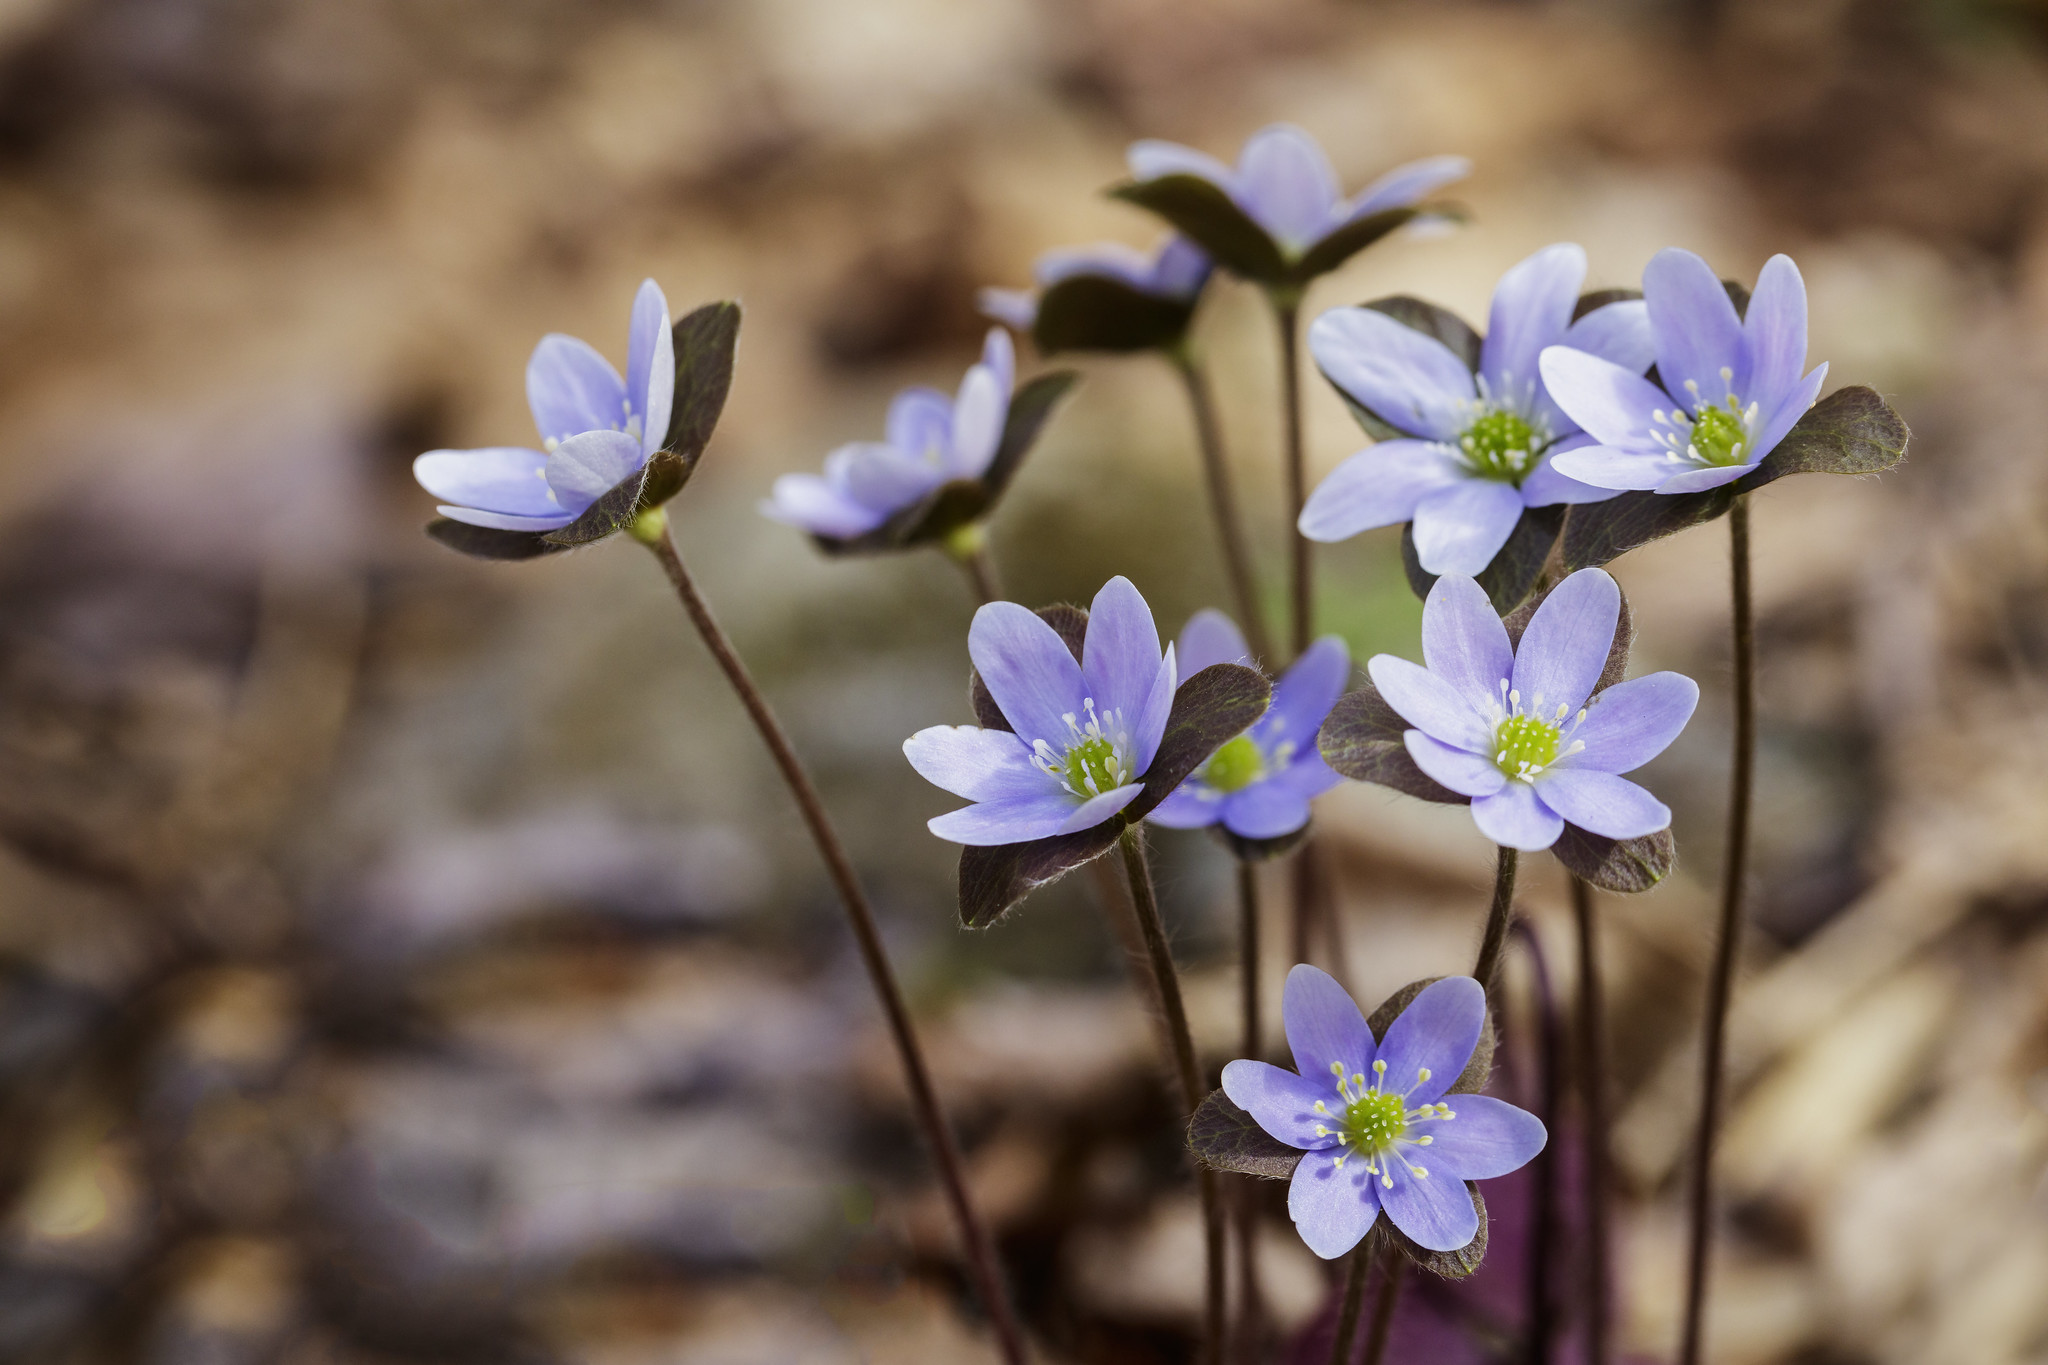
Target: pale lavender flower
1174,271
1732,386
1082,734
1380,1130
931,440
1283,181
1258,785
1512,728
1480,448
596,431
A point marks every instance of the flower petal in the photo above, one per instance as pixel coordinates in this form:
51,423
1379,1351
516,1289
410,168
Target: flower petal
1513,817
981,765
809,503
991,823
1404,185
978,416
1407,378
1285,184
1601,803
588,465
880,476
1029,671
1305,694
493,479
1434,1210
1489,1138
1188,806
1096,809
1210,637
1615,469
1461,528
571,389
1280,1102
1698,480
1148,725
920,422
1615,405
1264,810
1179,269
1566,645
1436,1033
1532,307
1694,323
1151,158
1464,642
1789,411
1430,703
1332,1206
1464,772
1120,659
1547,486
1617,332
1379,486
1774,334
505,521
1016,308
1631,722
1324,1028
1307,776
651,365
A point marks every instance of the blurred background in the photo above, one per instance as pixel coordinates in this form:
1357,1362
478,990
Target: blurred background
410,959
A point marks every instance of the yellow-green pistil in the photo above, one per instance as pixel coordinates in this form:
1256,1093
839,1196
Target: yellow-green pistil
1501,445
1092,766
1718,435
1525,745
1235,766
1375,1122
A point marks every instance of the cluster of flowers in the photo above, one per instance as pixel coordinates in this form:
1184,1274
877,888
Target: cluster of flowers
1518,461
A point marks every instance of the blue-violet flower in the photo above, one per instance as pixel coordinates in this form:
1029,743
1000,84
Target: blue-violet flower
1512,729
1373,1117
1258,785
1479,448
1731,391
1084,733
597,430
1174,271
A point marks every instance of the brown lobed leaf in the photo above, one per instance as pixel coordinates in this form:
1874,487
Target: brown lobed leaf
1362,739
1208,217
1096,313
1626,866
488,542
1225,1137
1851,431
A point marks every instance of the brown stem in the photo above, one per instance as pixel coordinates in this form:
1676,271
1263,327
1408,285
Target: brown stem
1539,1311
1721,985
1497,918
1383,1310
1189,1073
1592,1071
1248,954
981,1254
1354,1297
1248,1305
1301,588
1237,561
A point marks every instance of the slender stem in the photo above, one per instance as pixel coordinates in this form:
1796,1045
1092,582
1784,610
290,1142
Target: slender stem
1248,954
1247,1223
1354,1297
1167,979
967,546
974,1237
1383,1310
1237,561
1721,986
1541,1303
1592,1069
1287,311
1497,918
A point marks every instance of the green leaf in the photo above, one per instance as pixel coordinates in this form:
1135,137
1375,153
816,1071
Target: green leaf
1596,533
705,341
1851,431
1622,865
1096,313
1513,573
1209,218
1346,242
1362,739
1478,1068
1439,323
1213,707
487,542
1226,1138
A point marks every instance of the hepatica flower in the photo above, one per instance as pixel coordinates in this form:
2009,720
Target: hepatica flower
1083,735
1163,283
1258,785
597,431
1518,730
1476,436
1376,1119
1732,387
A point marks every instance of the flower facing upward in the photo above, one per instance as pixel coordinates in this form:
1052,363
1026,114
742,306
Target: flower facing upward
931,440
1479,448
596,431
1513,729
1174,271
1258,785
1374,1118
1732,385
1084,733
1283,181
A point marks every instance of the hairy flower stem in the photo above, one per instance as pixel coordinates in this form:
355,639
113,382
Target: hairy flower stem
1287,311
1497,918
1247,1223
1539,1313
1354,1298
652,530
1592,1071
1721,985
1237,563
1383,1309
1188,1071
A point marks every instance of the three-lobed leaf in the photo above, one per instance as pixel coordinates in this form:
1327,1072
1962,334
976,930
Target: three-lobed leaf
1208,217
1097,313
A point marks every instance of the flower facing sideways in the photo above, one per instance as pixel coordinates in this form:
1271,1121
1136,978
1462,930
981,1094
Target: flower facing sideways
1083,734
597,430
1172,274
1732,387
1513,728
1381,1130
1258,785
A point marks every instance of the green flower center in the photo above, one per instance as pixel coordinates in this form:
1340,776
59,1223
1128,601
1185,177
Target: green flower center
1718,435
1376,1123
1092,767
1525,745
1500,445
1235,766
1375,1120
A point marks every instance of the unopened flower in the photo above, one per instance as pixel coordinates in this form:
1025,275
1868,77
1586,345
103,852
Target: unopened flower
1083,734
1376,1117
1258,785
1732,385
1477,435
1108,296
597,430
1518,730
